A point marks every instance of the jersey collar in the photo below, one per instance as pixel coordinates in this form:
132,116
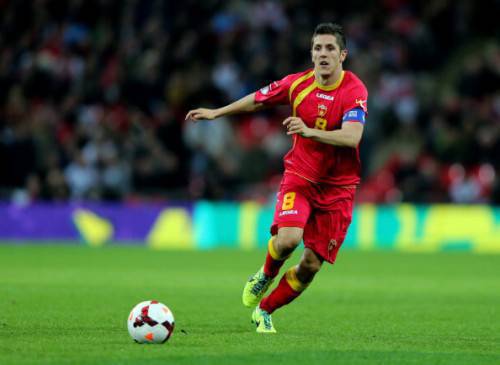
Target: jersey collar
331,87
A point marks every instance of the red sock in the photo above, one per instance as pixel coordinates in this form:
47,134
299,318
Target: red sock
287,290
272,267
273,262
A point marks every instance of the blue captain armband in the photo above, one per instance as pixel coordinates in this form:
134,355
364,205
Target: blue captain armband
354,115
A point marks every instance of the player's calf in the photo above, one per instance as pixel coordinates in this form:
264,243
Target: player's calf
310,263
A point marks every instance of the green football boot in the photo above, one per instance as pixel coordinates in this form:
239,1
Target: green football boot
255,288
263,321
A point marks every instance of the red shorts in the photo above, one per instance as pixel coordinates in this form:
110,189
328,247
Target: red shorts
323,211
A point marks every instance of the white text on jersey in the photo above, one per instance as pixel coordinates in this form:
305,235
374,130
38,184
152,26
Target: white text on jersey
324,96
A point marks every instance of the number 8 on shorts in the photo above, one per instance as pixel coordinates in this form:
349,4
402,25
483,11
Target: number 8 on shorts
288,201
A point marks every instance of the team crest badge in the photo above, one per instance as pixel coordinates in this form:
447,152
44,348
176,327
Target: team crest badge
332,244
322,109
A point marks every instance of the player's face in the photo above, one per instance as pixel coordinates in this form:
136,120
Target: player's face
326,54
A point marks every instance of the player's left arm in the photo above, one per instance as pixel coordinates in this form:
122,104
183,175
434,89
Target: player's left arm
349,135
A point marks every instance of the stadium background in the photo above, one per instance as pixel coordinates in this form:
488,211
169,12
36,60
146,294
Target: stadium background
93,96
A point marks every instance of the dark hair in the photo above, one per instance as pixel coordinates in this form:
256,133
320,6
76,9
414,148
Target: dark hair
333,29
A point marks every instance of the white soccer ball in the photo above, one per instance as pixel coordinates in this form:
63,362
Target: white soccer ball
151,322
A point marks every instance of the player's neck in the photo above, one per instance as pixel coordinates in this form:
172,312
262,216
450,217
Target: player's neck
330,79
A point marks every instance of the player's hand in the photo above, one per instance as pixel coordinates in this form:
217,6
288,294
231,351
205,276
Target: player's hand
296,125
201,114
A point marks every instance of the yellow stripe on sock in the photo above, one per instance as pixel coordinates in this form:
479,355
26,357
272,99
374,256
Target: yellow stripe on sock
293,281
271,250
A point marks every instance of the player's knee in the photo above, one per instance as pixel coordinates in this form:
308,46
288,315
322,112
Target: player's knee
287,243
306,271
309,266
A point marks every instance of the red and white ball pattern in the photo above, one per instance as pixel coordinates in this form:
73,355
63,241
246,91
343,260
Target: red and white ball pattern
151,322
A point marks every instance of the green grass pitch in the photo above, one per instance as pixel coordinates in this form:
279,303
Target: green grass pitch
69,305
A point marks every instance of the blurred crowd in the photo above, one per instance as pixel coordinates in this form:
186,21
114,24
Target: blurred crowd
93,95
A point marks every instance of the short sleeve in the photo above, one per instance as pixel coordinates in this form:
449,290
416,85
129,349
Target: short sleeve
356,97
276,93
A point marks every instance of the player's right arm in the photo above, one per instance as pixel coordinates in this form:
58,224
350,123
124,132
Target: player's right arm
245,104
275,93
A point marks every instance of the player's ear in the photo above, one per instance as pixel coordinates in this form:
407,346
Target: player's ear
343,55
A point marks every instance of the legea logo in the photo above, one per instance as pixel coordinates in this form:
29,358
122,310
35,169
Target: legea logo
288,212
324,96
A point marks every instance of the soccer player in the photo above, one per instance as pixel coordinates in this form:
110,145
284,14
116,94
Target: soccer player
322,169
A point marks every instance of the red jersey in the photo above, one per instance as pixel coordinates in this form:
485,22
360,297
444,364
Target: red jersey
321,107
